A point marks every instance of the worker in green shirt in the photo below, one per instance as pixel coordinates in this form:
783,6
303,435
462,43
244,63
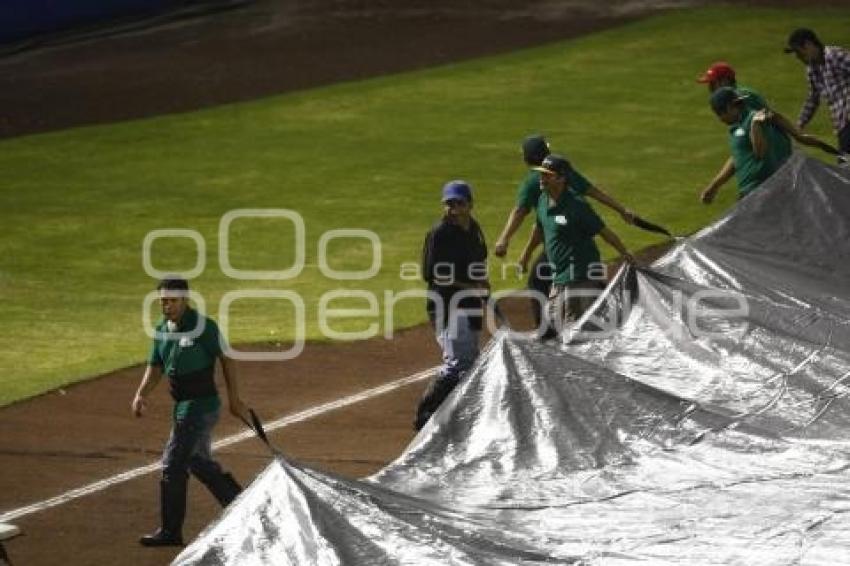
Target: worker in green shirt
185,348
759,147
535,148
567,225
720,75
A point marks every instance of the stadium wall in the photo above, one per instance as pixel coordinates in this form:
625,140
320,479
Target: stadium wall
24,19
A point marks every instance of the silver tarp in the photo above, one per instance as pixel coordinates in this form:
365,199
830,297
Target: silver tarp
699,415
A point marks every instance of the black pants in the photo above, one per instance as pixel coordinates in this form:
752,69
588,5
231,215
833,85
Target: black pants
540,280
189,449
844,139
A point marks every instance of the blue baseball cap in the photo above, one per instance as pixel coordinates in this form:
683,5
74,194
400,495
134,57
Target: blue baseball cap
457,190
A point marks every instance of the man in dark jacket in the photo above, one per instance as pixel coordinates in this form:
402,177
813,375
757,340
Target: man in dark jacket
454,264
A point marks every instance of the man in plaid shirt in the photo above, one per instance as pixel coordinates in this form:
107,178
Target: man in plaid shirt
828,73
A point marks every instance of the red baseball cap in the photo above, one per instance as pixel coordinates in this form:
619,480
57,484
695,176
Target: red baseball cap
717,71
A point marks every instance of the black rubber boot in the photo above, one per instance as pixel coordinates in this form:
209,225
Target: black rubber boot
223,486
173,511
436,393
540,281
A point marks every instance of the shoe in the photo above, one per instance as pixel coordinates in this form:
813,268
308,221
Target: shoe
172,503
422,418
548,334
161,538
440,388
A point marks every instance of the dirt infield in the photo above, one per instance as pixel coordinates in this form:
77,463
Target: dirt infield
66,439
69,438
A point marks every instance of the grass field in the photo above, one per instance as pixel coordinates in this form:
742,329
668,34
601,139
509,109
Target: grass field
622,104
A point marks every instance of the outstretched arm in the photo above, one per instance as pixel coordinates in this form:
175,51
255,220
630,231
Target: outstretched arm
237,407
609,236
150,380
515,219
726,172
806,139
534,240
611,202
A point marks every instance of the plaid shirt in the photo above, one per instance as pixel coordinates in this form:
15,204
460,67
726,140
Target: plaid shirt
830,79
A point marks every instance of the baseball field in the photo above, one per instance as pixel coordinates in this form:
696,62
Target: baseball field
346,145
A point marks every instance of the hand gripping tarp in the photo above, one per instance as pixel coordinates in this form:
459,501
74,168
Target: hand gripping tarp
698,415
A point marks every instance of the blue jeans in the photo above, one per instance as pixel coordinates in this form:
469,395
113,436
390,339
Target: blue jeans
189,448
459,342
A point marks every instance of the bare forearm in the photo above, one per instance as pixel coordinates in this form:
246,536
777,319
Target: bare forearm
231,378
812,141
805,139
611,202
726,172
515,219
534,240
150,380
606,199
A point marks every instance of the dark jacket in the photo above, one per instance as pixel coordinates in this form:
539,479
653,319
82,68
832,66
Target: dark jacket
447,254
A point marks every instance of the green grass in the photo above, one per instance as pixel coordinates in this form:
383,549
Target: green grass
621,104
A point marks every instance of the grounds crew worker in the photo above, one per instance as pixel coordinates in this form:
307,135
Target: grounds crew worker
721,74
454,264
759,147
185,348
534,150
567,224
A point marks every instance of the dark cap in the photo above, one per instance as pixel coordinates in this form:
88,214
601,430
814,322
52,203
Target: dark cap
534,149
723,97
457,190
717,71
554,165
800,36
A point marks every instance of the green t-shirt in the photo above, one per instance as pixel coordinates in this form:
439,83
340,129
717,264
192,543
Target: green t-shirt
568,230
197,349
529,189
749,170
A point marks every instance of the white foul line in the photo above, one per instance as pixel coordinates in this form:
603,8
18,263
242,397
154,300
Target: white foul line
304,415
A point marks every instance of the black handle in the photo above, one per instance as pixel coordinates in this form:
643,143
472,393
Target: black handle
257,426
650,227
